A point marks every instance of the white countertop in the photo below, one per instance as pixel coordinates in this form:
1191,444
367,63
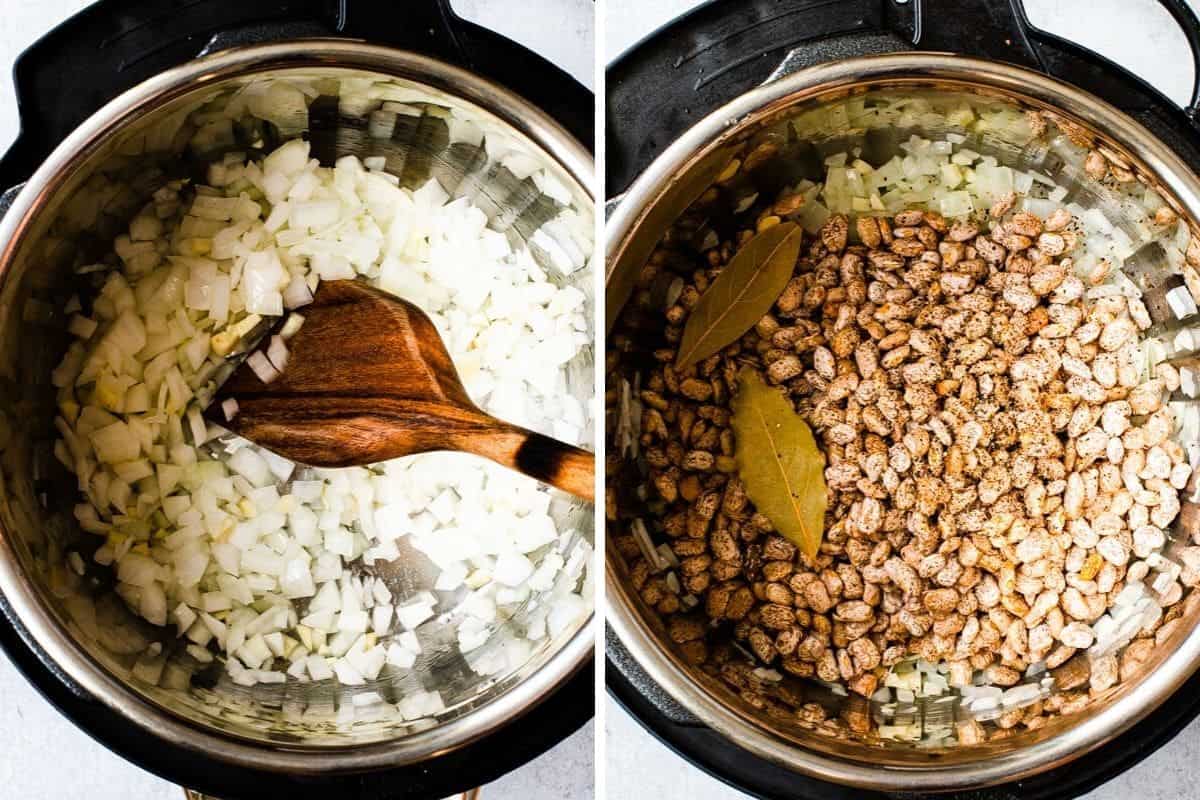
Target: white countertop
1137,34
42,755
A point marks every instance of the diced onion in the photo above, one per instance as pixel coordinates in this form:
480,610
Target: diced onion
262,367
247,538
277,354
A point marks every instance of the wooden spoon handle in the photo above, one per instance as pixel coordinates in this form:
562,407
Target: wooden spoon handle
334,430
559,464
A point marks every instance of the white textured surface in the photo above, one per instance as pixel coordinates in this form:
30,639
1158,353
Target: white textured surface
1137,34
45,757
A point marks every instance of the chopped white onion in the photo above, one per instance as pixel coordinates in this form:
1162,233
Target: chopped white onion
263,369
246,538
277,354
297,293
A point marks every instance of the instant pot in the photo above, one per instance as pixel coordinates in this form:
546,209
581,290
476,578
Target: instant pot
731,76
103,101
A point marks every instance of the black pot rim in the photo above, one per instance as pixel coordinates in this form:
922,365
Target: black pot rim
557,715
723,760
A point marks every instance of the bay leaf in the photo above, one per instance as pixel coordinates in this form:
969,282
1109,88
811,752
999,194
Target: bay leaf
778,461
742,294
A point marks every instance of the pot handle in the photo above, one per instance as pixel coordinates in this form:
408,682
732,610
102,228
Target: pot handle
1001,29
114,45
1183,15
437,31
696,63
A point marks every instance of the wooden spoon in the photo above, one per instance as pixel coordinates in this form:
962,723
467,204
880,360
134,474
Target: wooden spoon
368,379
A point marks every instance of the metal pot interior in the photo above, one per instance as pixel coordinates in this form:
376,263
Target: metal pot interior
83,199
678,209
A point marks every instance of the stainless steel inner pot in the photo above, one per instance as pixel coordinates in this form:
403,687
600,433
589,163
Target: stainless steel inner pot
808,115
479,141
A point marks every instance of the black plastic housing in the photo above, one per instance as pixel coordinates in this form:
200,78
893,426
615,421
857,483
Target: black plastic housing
696,63
112,46
672,79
